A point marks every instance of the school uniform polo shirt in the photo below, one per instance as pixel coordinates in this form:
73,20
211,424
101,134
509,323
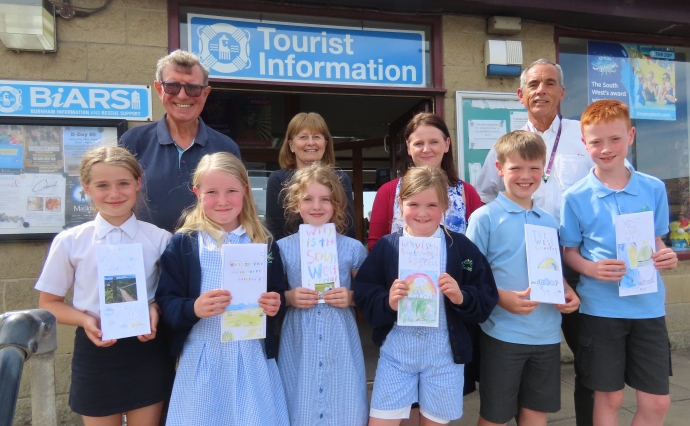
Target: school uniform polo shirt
498,230
72,259
167,181
588,221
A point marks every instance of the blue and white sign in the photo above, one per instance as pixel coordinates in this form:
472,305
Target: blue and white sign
74,100
245,49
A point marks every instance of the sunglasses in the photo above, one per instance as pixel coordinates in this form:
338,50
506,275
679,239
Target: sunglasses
192,90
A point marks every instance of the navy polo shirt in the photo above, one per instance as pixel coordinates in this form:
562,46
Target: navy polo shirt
167,174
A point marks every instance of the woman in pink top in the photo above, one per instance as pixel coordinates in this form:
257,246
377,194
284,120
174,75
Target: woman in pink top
428,144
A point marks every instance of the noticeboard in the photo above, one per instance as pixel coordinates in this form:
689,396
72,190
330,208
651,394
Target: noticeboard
40,192
482,118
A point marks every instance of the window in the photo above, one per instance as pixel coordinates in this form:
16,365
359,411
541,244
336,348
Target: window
652,81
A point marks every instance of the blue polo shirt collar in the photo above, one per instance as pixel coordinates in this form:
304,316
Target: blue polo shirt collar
601,190
164,137
512,207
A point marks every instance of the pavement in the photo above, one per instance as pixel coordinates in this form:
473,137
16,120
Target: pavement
678,414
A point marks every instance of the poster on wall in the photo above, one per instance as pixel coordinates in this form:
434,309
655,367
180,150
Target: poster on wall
40,191
643,77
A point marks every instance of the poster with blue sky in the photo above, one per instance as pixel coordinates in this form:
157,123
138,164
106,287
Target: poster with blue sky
643,77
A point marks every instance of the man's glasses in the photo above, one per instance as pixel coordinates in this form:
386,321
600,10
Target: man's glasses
173,88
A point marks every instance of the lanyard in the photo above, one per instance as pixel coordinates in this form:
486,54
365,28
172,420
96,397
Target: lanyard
547,175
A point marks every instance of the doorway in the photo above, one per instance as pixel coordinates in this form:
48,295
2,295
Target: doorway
366,130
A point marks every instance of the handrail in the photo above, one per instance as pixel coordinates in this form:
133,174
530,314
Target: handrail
23,335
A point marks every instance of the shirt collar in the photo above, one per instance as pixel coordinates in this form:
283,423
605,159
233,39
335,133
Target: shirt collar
436,234
239,231
103,227
552,128
601,190
512,207
164,137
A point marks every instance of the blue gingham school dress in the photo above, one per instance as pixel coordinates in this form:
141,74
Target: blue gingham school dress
320,357
411,355
230,383
455,215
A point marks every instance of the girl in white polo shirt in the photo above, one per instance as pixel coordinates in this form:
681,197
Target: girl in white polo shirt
109,377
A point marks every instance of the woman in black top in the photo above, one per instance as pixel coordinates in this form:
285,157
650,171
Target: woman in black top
307,140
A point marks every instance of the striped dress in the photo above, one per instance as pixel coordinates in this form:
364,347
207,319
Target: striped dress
230,383
320,357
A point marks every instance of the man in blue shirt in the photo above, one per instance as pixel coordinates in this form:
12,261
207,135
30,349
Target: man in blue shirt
170,148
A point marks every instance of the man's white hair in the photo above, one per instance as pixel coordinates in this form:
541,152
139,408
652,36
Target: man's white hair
180,59
542,61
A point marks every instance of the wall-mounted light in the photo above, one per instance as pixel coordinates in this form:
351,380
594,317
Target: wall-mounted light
503,58
28,25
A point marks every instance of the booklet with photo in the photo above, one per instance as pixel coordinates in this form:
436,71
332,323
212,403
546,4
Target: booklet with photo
319,258
420,267
635,244
544,264
245,277
122,291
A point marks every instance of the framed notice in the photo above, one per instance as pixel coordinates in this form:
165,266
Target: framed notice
40,193
482,118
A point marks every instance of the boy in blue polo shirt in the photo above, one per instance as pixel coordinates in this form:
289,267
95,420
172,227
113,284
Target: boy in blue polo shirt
622,339
520,342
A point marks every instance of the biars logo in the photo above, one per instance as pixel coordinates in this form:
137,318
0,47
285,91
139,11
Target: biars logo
224,47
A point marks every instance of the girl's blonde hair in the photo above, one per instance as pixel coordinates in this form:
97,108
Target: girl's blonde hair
296,187
313,123
112,156
195,220
418,179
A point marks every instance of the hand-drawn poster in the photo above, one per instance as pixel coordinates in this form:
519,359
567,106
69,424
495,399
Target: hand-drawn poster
419,267
319,258
122,291
245,277
635,244
544,264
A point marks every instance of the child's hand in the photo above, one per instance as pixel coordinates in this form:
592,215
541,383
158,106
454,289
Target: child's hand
607,270
665,258
515,302
154,315
340,297
572,302
212,303
397,292
301,297
270,303
450,288
94,333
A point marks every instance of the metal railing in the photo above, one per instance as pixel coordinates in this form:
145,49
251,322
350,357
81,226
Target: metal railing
28,335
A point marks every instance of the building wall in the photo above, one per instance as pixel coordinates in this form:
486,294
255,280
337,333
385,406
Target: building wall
122,44
119,45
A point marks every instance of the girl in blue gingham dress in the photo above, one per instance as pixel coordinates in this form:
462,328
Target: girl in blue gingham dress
423,364
219,383
320,358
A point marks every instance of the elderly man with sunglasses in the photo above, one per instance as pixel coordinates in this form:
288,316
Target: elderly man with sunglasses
170,148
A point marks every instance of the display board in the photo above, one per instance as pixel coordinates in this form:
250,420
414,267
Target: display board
40,193
482,118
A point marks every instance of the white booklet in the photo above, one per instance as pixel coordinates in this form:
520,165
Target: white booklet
319,258
544,264
245,277
122,291
419,266
635,244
